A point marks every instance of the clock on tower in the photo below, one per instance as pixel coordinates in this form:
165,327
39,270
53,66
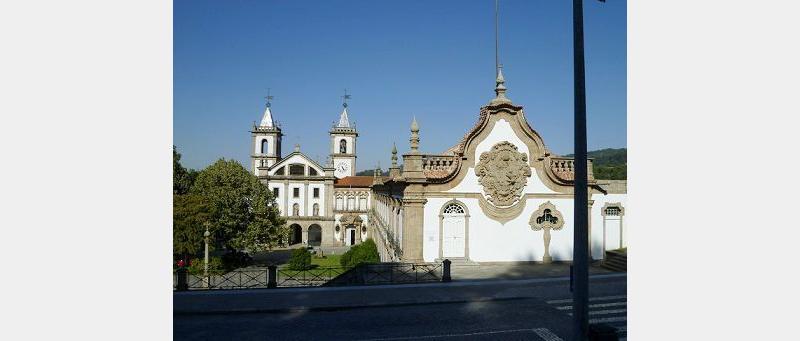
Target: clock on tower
343,144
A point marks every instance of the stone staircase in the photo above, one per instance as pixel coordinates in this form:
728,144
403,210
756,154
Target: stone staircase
616,261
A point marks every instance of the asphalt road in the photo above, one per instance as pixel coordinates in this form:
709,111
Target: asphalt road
543,317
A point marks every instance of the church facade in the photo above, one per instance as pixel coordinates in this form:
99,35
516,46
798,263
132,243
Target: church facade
324,205
497,195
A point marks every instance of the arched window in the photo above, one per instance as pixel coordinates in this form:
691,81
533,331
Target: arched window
342,146
264,145
339,203
316,209
296,210
454,209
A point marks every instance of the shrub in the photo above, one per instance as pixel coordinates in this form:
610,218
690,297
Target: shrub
300,259
214,266
365,252
236,259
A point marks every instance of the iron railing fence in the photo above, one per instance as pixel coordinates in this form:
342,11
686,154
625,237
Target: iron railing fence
308,278
390,273
271,277
247,278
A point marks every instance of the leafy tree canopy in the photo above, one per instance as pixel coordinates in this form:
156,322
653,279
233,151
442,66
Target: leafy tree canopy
181,178
190,215
245,214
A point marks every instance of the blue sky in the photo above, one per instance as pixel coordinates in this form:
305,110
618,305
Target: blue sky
430,59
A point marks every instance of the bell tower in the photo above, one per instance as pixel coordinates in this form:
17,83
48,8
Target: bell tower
266,142
343,144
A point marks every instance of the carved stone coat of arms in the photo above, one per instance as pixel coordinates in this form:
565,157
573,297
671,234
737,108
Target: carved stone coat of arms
503,173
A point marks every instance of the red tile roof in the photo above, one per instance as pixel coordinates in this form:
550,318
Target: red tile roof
354,181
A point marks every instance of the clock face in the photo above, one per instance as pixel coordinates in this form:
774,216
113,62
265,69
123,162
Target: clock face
342,166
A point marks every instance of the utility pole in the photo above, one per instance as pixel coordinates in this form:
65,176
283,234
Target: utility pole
580,254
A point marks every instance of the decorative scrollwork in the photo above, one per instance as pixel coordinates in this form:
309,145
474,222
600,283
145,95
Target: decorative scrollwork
503,173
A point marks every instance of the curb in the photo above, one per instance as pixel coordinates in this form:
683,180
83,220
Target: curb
340,308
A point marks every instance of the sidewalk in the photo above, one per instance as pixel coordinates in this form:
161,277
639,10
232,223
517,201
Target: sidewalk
476,288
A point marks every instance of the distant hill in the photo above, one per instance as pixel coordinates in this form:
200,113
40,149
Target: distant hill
371,172
609,163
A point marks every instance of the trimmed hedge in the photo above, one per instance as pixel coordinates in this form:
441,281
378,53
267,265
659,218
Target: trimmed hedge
300,259
366,252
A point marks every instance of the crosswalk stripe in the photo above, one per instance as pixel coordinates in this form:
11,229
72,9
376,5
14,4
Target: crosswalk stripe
599,305
602,298
546,334
605,312
608,319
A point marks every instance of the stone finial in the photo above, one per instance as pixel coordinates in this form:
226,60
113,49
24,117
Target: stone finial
414,136
500,88
297,147
394,155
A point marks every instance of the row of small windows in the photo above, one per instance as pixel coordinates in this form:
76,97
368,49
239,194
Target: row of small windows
295,192
613,211
351,204
297,169
296,210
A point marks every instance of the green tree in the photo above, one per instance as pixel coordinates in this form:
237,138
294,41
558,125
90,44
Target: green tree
190,215
267,229
245,214
181,178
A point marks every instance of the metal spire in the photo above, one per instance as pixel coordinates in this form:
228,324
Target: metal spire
269,98
500,88
345,98
496,38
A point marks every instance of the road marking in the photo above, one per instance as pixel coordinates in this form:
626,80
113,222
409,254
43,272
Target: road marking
608,319
605,312
544,333
599,305
602,298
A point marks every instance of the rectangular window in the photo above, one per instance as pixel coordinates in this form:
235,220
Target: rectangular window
316,192
295,192
276,191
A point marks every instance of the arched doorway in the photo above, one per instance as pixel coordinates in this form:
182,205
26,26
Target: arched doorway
314,235
453,231
296,235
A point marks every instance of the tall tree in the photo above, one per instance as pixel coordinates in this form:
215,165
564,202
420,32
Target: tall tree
181,178
190,215
245,214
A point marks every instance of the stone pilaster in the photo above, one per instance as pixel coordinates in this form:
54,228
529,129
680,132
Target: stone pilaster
413,220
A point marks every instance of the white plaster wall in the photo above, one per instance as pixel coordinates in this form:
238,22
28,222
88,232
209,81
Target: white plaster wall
320,200
491,241
597,221
300,200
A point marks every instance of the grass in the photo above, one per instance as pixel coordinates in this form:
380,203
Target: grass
318,265
327,261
